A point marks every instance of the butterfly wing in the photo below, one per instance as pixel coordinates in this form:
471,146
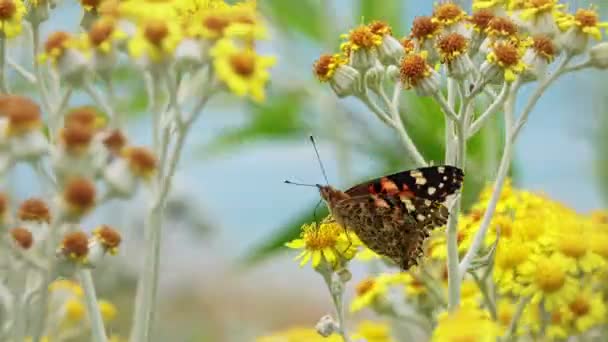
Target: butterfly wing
392,225
434,183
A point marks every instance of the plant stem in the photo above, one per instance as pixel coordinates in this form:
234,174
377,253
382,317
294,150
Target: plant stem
44,95
337,299
515,320
3,84
28,76
497,103
98,330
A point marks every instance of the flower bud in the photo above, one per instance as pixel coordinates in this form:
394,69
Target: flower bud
78,197
22,237
326,326
75,247
345,81
598,55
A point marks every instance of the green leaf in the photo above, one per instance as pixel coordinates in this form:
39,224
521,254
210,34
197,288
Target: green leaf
303,16
390,11
282,235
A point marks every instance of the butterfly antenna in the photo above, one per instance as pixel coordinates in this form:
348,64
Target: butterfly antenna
314,213
314,145
299,184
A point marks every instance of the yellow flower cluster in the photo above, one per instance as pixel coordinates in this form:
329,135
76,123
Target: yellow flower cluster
158,34
369,331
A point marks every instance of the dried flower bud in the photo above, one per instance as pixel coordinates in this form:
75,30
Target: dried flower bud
75,246
23,237
79,196
34,209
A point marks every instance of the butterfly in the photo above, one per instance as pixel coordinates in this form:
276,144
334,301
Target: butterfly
393,215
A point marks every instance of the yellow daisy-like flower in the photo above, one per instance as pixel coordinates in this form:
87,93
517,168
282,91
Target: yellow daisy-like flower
556,323
361,37
448,13
299,334
11,16
510,256
325,67
243,71
155,39
573,243
466,324
505,310
489,4
588,310
370,331
325,242
535,8
74,310
548,278
104,34
508,58
234,21
584,20
414,286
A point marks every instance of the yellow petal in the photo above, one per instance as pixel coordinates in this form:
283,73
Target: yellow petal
297,243
305,258
329,255
316,258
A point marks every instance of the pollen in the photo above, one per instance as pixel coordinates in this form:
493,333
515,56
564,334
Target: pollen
109,237
86,116
243,63
76,137
380,28
364,286
141,160
75,245
549,276
586,17
408,45
363,37
115,141
448,12
23,114
22,237
7,9
414,68
424,27
34,209
325,66
318,237
506,54
79,194
451,46
544,47
481,19
501,26
101,31
580,306
56,43
156,31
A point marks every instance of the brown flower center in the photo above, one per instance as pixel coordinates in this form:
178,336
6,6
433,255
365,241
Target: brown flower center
115,141
447,11
363,36
90,3
34,209
408,44
56,41
243,64
22,112
80,194
587,18
321,67
141,160
109,236
506,54
380,28
216,23
452,43
423,27
22,237
502,26
84,116
544,46
413,69
76,244
76,136
7,9
155,31
100,31
580,306
481,19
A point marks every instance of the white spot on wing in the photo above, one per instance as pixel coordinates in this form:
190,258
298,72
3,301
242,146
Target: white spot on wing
431,190
441,169
420,217
415,173
420,180
445,177
441,185
427,203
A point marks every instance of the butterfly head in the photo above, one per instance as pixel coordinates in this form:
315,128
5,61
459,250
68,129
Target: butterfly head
330,194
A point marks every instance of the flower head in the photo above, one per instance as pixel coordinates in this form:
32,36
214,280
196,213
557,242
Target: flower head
466,324
114,141
480,20
588,310
155,41
79,196
451,46
108,237
23,114
142,161
366,37
507,57
448,13
76,138
324,243
424,28
11,16
22,237
415,72
75,246
34,209
241,69
85,116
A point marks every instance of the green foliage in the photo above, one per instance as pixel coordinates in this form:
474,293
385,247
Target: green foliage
391,12
302,17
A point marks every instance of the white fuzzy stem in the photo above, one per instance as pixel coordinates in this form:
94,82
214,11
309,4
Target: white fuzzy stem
98,331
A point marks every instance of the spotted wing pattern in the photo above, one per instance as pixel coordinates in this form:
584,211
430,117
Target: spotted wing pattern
394,215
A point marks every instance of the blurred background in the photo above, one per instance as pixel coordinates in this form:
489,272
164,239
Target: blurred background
225,275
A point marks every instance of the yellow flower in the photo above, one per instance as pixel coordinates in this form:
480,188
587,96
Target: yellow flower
107,309
470,295
414,286
69,285
448,13
361,37
573,242
534,8
370,331
11,15
510,256
325,67
548,278
489,4
370,290
583,21
325,242
74,310
104,34
242,70
508,58
466,324
505,310
588,310
155,39
239,21
298,334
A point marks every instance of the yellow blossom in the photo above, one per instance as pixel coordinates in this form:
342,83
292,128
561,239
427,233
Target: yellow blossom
108,310
588,310
508,58
370,290
585,21
370,331
11,16
74,310
466,324
325,242
243,71
155,39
